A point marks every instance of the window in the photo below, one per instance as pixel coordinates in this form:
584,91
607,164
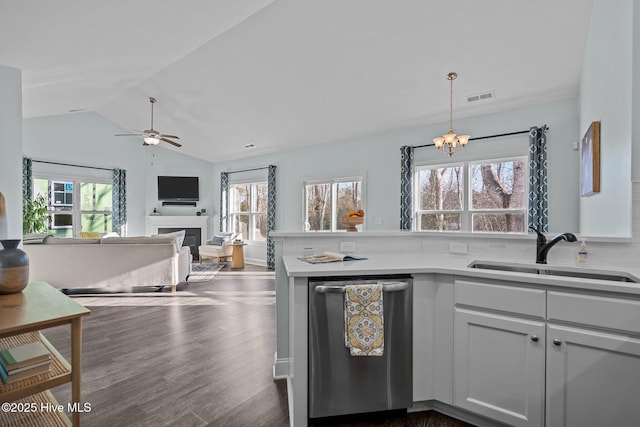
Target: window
69,218
327,201
486,196
248,210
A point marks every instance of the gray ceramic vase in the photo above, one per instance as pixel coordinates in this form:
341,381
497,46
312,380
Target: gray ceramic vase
14,267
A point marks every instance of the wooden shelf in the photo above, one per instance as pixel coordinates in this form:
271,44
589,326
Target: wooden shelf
59,370
36,418
22,316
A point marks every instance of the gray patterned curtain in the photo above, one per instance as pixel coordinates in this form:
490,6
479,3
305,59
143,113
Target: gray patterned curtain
224,200
271,216
538,203
406,187
27,178
120,201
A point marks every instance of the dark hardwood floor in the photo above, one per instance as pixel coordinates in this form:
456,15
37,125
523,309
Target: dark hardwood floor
203,356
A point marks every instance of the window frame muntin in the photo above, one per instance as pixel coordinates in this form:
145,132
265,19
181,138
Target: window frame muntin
76,180
251,226
467,212
333,180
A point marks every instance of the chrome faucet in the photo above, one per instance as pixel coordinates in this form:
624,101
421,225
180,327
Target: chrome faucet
543,247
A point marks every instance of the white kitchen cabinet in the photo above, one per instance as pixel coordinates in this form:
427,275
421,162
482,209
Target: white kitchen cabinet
499,367
499,356
593,373
433,338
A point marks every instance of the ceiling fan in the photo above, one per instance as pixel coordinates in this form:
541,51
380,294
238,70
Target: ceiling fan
151,136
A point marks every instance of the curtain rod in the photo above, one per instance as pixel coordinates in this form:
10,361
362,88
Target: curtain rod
249,170
69,164
486,137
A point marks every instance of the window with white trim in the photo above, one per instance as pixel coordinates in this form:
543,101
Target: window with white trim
488,196
327,201
248,210
77,205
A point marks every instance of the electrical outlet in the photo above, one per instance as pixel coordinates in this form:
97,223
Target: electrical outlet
347,246
458,248
378,221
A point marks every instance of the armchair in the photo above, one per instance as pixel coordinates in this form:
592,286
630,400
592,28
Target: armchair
219,247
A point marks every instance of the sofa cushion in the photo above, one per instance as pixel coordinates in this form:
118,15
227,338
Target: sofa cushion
52,240
178,235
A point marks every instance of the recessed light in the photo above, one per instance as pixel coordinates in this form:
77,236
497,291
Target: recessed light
76,110
250,146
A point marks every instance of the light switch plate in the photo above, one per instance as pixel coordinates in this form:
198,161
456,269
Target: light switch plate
458,248
347,246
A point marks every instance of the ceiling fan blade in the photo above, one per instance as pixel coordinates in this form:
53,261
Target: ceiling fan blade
170,136
171,142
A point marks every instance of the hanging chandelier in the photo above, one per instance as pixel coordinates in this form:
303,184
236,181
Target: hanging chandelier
449,143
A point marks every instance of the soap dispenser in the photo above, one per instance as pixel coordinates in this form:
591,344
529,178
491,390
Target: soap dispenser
582,256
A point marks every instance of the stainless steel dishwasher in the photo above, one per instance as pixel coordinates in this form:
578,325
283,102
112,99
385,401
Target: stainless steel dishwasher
342,384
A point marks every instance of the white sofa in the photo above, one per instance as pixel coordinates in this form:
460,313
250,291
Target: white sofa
116,263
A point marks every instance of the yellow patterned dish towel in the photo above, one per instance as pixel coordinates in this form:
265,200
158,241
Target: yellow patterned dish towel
363,319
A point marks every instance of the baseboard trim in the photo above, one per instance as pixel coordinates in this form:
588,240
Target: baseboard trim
280,368
454,412
255,261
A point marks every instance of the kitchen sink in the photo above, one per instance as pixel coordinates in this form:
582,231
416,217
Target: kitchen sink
580,273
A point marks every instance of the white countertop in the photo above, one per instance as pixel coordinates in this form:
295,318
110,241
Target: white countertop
417,263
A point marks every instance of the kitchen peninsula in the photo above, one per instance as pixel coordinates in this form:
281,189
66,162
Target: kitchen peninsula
490,347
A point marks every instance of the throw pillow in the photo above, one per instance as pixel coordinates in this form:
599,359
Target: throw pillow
217,240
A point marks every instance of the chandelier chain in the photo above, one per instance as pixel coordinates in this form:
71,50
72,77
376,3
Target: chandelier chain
451,104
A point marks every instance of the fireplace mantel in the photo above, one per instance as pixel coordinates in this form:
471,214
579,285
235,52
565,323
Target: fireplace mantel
154,222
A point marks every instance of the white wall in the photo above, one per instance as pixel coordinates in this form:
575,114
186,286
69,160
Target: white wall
377,157
11,150
88,139
635,109
606,96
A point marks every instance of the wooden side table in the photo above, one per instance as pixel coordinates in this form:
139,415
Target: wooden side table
22,316
237,256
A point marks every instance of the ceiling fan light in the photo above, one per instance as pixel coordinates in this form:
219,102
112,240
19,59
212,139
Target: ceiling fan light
151,140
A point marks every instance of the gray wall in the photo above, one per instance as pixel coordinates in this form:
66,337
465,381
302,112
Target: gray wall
11,149
377,157
606,95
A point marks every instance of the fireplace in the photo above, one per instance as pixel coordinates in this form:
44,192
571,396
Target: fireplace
195,228
191,238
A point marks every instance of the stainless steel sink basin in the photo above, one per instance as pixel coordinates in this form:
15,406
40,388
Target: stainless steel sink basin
543,269
515,268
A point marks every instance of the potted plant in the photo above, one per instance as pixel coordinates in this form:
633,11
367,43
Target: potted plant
35,215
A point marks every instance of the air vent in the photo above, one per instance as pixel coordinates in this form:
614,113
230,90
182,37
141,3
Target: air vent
486,96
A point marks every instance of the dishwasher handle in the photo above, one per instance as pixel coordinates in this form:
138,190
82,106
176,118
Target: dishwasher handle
386,287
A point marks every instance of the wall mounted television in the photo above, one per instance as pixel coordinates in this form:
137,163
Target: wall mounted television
178,188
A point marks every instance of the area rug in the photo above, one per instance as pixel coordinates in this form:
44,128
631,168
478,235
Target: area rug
204,272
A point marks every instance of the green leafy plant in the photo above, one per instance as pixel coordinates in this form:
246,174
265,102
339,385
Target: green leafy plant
35,215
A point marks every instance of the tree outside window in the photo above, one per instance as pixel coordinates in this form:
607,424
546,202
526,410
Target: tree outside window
248,210
328,201
488,196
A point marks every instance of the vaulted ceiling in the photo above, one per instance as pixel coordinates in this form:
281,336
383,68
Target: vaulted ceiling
282,74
